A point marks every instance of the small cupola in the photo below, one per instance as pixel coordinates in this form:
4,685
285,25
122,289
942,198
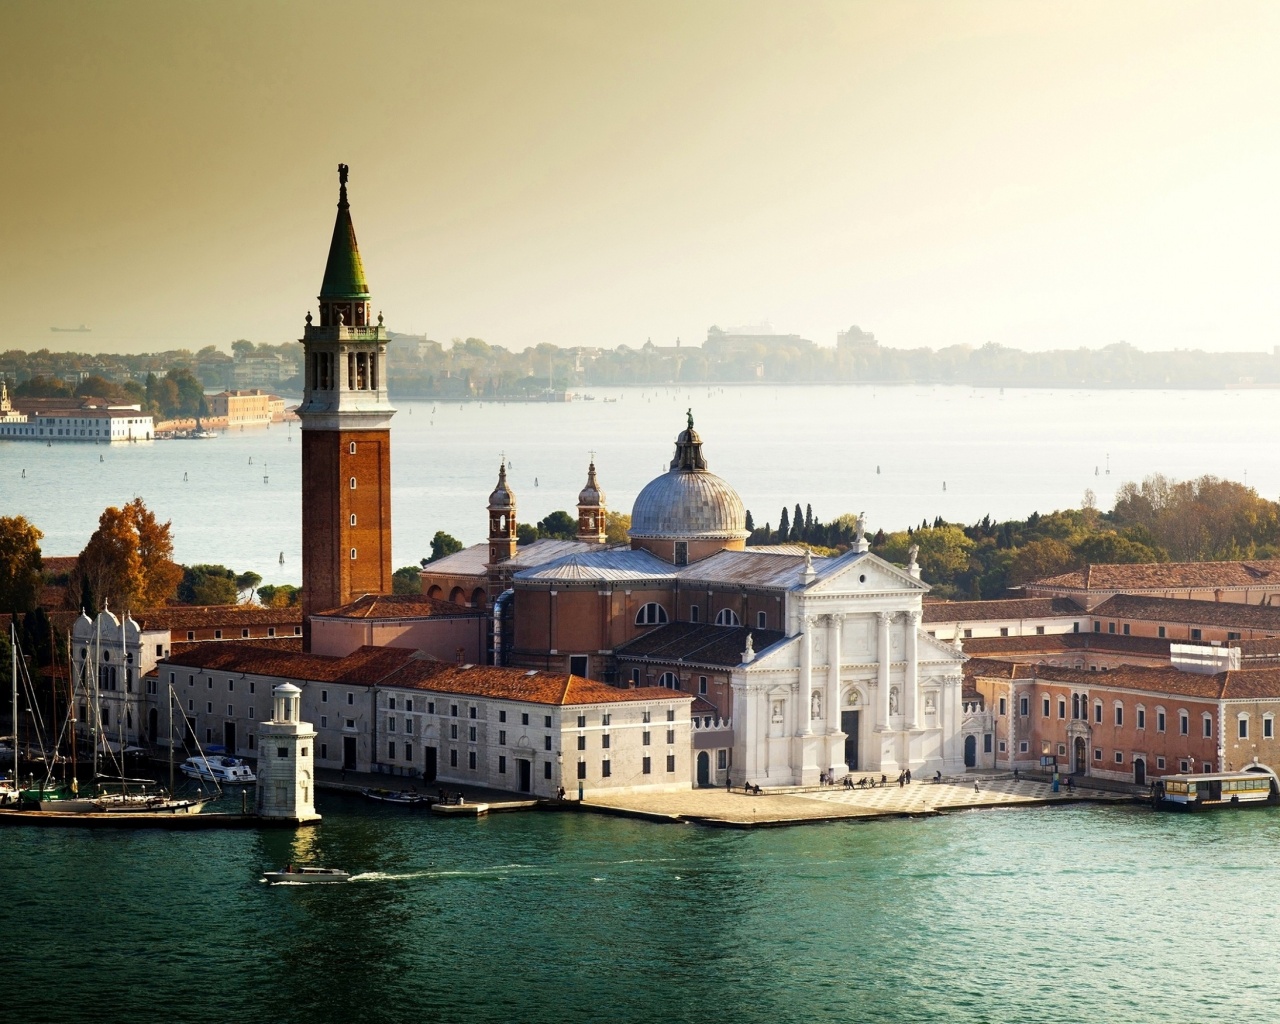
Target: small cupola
591,509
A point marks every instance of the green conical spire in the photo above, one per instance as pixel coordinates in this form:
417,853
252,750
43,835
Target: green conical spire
344,273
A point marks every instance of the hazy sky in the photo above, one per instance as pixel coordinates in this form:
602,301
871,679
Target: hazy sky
1037,174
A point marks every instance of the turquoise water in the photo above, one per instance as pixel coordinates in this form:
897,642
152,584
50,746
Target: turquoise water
1005,453
1052,914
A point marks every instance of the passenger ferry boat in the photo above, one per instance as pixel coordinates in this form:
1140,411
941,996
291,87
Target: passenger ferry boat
1256,787
227,771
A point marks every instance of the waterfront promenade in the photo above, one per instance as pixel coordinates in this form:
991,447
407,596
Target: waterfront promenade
832,803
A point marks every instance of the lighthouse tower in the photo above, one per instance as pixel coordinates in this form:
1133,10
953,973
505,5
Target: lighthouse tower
346,436
286,772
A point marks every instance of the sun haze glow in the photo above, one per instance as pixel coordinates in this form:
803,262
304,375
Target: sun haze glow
1041,175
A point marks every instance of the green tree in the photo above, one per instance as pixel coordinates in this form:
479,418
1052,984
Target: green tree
1040,558
526,533
443,544
20,577
43,386
407,580
190,391
246,584
207,585
616,525
283,595
558,526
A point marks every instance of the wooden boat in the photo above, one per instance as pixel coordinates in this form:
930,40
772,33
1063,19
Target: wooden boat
1255,787
305,876
401,798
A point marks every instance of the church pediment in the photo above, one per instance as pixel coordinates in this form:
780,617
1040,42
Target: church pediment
930,648
783,654
845,575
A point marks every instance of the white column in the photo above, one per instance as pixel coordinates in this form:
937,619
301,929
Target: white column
806,676
835,624
911,684
885,653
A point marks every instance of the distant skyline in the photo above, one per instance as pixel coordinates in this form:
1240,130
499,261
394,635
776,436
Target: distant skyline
1044,175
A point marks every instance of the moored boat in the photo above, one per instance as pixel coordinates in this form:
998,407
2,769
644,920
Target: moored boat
228,771
304,876
402,798
1255,787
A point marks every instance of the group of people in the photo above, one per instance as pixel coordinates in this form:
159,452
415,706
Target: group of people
747,787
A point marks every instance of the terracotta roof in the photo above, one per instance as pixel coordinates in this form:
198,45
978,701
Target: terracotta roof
1168,576
1244,684
985,611
216,616
289,642
1193,613
472,561
1050,643
362,667
531,686
399,606
697,643
702,706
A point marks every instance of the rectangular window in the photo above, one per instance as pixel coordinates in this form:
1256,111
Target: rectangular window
644,741
1040,631
282,751
431,709
605,719
471,733
1111,627
646,717
546,743
324,721
408,725
502,764
671,763
502,737
1126,629
524,719
391,703
1119,714
582,769
604,741
1242,728
471,759
1142,718
1268,728
502,715
1195,634
231,711
1119,757
1002,706
1024,706
408,751
986,743
702,685
1160,763
546,769
1159,721
453,730
1004,630
578,665
391,751
582,743
582,721
1184,725
391,725
693,613
1022,747
1062,707
453,759
671,735
1097,626
324,751
635,677
408,703
646,764
471,712
1097,753
1232,636
453,710
1045,705
1160,632
1097,713
1208,727
351,698
546,721
606,769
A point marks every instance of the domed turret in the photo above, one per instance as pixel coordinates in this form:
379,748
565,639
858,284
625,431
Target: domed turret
591,510
502,519
688,512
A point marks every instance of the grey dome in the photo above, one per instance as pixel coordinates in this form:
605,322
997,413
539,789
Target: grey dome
502,496
688,502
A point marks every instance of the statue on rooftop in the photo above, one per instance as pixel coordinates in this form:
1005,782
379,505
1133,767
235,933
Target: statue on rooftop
689,415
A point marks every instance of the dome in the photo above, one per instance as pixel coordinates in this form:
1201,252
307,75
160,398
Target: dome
502,497
591,496
688,502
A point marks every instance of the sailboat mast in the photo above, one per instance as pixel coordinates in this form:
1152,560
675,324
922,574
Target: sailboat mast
171,737
124,698
96,727
71,704
13,657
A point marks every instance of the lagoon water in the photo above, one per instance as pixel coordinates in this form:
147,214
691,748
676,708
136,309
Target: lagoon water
1059,914
887,451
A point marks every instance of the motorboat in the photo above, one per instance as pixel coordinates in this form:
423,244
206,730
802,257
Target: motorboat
306,876
1256,786
226,771
402,798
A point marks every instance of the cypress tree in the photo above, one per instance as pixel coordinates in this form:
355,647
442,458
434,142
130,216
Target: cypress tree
784,525
751,526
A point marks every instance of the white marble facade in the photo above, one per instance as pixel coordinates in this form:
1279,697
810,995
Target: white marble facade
854,657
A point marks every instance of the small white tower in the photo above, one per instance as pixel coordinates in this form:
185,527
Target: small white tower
286,774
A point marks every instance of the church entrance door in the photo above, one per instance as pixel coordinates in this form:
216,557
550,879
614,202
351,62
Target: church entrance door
1139,771
1080,759
849,726
704,769
971,751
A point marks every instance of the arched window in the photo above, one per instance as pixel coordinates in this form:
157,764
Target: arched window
435,591
479,597
458,596
762,620
651,614
353,554
670,680
353,519
353,483
353,447
727,617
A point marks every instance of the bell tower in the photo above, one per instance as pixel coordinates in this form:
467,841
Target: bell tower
346,436
591,510
502,520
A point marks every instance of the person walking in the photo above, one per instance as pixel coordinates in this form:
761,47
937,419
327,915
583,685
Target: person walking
908,776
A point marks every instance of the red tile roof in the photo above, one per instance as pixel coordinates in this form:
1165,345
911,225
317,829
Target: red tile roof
362,667
531,686
1244,684
1168,576
231,616
985,611
1228,614
400,606
1053,643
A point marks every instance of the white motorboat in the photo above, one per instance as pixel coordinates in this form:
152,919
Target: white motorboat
226,771
305,876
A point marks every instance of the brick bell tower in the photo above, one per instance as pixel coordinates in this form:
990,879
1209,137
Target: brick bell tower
346,436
